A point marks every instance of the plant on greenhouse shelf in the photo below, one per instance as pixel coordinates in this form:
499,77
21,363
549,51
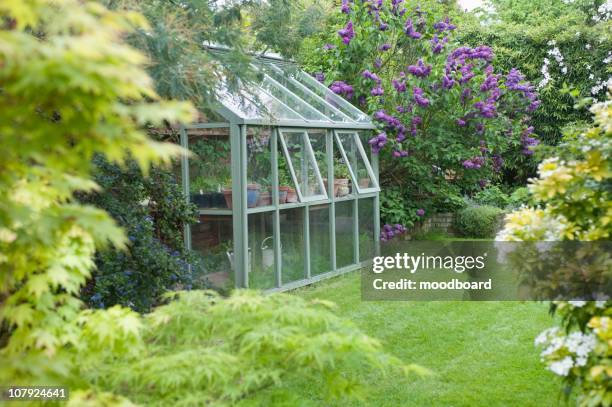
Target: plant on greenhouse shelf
441,108
342,183
574,204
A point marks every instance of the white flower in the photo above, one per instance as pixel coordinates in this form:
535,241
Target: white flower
543,337
564,69
588,46
591,76
561,367
577,304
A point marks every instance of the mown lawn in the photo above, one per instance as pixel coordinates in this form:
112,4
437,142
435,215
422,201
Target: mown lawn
482,353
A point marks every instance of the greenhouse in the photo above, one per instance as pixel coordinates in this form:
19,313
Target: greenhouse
284,180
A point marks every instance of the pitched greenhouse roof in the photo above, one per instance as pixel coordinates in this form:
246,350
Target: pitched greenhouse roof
287,96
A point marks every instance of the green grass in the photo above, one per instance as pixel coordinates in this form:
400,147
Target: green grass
481,353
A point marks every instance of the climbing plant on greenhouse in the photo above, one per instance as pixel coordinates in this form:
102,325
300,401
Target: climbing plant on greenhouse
575,204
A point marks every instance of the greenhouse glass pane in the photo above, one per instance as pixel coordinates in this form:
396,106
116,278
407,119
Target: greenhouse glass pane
259,166
314,100
292,244
252,102
344,234
320,246
318,141
209,167
343,181
302,164
287,192
211,241
261,251
323,92
367,239
291,101
357,160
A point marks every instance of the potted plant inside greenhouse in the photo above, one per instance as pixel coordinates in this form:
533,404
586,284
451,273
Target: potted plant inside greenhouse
342,183
209,169
265,193
286,191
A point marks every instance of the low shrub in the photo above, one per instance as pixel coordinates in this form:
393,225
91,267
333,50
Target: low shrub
478,221
492,196
519,197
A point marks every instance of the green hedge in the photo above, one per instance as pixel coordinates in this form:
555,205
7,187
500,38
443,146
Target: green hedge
478,221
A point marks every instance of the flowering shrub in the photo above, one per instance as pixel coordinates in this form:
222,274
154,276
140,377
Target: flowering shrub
575,204
558,46
443,110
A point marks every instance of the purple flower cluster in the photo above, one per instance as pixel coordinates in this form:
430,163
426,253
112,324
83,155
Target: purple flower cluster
346,7
327,47
419,97
378,142
342,88
320,76
490,81
437,45
377,91
527,141
515,82
399,85
486,109
369,75
447,82
474,162
410,31
391,121
420,70
483,147
414,123
466,73
420,212
347,33
445,25
461,55
384,47
400,153
388,232
395,4
497,162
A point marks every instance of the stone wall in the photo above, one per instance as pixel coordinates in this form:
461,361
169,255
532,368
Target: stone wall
440,222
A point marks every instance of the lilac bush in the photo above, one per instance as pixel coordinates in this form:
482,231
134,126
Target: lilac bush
446,114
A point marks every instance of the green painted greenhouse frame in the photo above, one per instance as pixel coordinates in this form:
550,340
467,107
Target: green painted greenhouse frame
312,133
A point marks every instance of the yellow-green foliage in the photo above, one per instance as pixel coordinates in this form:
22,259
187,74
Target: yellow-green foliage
69,89
205,350
575,203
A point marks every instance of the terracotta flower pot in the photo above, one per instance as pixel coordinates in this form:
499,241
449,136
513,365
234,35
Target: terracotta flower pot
341,187
265,198
364,182
291,195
